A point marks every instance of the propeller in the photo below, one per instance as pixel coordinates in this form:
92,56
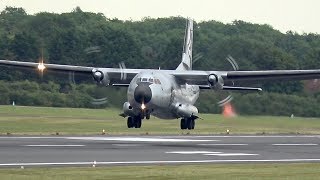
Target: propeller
99,96
197,57
225,103
123,74
235,67
227,108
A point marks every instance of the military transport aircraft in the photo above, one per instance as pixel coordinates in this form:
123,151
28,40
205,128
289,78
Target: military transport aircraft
168,94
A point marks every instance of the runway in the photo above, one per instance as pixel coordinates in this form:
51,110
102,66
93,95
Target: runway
139,150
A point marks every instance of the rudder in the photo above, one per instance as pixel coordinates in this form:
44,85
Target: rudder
186,63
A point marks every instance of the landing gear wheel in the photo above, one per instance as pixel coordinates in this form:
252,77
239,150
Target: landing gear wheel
130,122
190,123
137,122
183,124
148,116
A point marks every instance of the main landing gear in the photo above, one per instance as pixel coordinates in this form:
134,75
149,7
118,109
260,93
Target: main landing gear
187,123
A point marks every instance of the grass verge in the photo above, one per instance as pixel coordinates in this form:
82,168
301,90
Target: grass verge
19,120
216,171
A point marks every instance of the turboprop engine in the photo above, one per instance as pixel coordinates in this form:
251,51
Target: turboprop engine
186,110
100,77
215,81
128,110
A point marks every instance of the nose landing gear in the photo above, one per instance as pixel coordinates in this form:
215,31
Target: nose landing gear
134,122
187,123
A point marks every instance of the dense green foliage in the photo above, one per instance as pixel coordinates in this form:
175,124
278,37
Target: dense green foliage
90,39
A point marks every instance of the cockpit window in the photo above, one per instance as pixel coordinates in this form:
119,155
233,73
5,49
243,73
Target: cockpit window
150,80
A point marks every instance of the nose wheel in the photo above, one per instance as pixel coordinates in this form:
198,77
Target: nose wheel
187,123
134,122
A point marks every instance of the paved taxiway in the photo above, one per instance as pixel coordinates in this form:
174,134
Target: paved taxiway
111,150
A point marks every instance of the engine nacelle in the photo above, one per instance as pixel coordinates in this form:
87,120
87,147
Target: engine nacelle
186,110
215,81
128,110
100,77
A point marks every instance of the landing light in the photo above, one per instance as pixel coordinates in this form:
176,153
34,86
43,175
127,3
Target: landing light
41,66
143,106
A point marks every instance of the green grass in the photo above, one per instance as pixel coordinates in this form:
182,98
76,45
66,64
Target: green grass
216,171
46,121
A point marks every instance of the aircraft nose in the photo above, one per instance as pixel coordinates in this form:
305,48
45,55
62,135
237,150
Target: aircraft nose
142,93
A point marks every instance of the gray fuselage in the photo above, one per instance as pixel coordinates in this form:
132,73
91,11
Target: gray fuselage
166,93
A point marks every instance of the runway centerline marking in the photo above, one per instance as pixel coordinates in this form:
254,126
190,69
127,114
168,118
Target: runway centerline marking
54,145
209,153
310,144
192,152
223,144
139,139
232,154
127,145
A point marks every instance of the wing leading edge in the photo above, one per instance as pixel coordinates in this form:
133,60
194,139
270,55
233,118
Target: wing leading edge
111,76
50,67
274,75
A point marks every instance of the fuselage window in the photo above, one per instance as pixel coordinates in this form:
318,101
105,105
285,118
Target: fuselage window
144,80
151,80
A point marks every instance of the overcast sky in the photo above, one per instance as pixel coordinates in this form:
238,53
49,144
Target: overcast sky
297,15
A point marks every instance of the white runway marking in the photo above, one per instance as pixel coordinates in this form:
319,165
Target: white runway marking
157,162
138,139
209,153
30,137
54,145
232,154
294,144
126,145
223,144
192,152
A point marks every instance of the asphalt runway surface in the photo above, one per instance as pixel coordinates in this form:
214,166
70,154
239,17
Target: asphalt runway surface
141,150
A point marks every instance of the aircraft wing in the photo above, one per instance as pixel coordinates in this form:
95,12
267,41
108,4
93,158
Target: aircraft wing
220,78
199,77
49,67
273,75
112,76
122,77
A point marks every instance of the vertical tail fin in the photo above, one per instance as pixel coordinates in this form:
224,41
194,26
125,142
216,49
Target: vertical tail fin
186,63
